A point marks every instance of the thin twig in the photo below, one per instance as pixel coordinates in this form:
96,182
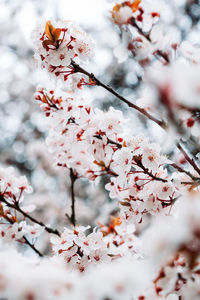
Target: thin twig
190,160
79,69
146,171
17,208
181,170
33,247
161,123
72,218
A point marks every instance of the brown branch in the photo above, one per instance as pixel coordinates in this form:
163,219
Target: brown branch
33,247
190,160
139,163
72,218
79,69
161,123
17,208
181,170
146,171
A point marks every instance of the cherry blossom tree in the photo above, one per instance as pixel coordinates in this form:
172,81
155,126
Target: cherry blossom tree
137,161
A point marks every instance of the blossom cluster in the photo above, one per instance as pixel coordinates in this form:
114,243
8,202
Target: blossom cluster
12,188
56,45
94,143
121,239
79,250
146,32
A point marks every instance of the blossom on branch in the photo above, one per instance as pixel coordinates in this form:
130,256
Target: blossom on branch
56,45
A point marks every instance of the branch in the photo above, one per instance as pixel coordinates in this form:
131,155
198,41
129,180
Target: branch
181,170
161,123
33,247
79,69
190,160
17,208
72,218
146,171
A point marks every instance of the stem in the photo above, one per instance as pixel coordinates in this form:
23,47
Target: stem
181,170
33,247
17,208
72,218
139,164
154,177
190,160
79,69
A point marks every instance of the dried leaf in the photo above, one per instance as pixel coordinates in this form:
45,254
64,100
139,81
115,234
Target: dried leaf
123,203
135,5
91,81
115,221
44,99
60,100
116,8
48,30
56,33
14,219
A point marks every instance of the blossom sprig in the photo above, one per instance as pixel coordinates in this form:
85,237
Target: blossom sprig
56,45
13,230
150,37
13,215
140,183
93,144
